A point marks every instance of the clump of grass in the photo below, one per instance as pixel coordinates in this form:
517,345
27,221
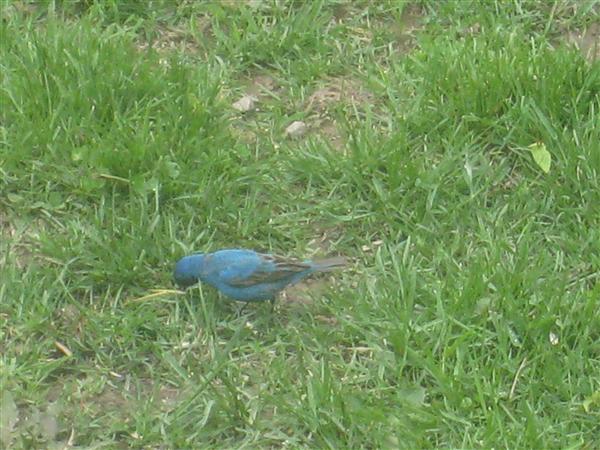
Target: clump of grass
468,317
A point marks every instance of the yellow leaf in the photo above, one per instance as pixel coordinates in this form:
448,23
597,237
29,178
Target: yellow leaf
541,156
592,400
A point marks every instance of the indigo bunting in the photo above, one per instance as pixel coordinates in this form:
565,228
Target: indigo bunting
246,275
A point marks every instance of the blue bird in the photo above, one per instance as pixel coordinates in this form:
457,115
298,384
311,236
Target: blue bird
246,275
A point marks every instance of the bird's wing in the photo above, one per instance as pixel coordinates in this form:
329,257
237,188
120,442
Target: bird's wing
269,269
227,265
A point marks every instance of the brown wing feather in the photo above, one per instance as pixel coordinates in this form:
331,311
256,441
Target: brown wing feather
286,267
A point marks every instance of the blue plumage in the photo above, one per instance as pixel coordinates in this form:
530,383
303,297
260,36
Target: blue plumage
246,275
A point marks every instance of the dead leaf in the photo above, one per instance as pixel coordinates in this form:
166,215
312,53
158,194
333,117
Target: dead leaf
63,348
374,245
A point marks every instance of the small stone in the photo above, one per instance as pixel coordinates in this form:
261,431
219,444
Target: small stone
296,129
245,104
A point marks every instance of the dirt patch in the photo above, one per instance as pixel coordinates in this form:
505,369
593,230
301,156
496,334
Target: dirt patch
302,293
330,95
337,90
18,240
6,229
123,399
406,30
327,320
587,41
312,288
325,239
259,89
305,292
171,38
320,106
321,99
262,85
10,9
330,132
112,399
71,320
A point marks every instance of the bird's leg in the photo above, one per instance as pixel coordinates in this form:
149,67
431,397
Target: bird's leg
241,310
272,301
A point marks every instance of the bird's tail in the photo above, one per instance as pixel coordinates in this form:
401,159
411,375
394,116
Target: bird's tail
325,265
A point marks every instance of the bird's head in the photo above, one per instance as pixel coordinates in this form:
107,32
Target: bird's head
188,269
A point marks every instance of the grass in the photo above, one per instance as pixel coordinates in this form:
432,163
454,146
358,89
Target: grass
469,317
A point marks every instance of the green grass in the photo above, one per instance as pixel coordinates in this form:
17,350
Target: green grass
469,317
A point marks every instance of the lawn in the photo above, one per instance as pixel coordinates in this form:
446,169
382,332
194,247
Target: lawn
450,150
